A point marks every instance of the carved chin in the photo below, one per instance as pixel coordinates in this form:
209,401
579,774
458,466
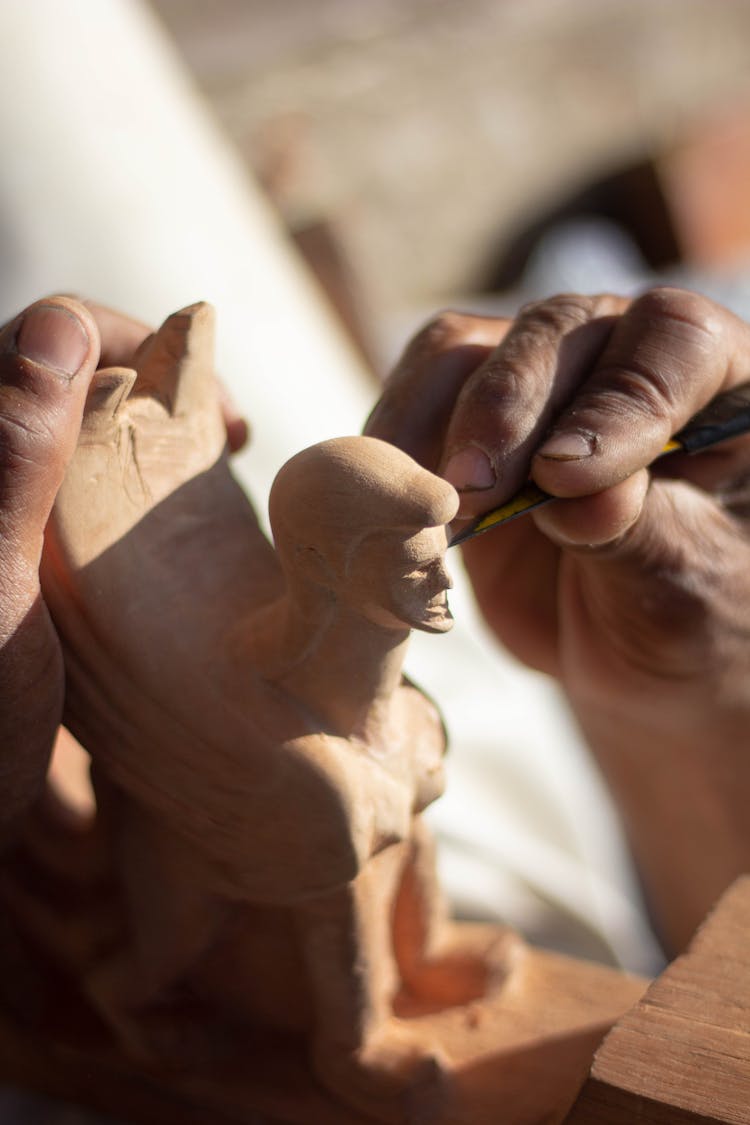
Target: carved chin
439,619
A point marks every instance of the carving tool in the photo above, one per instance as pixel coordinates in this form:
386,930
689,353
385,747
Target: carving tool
726,416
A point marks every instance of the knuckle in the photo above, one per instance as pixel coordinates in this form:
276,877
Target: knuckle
25,440
450,332
444,331
632,389
535,341
668,300
560,313
670,339
514,384
689,316
499,386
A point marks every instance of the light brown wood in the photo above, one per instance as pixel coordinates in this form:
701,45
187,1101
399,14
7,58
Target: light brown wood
682,1054
253,922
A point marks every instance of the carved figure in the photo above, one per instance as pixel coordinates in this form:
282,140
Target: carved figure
260,764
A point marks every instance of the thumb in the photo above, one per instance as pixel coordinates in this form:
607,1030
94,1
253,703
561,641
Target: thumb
47,358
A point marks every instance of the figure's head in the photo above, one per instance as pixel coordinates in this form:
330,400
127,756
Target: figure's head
361,522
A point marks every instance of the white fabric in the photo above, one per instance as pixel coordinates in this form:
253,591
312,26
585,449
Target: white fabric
117,184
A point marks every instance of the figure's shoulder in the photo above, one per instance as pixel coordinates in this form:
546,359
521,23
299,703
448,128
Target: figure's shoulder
421,708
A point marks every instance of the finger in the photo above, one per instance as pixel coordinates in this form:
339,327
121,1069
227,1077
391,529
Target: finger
419,396
669,354
519,603
121,335
507,405
593,521
238,430
47,358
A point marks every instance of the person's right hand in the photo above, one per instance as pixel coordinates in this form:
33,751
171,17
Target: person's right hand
634,588
581,394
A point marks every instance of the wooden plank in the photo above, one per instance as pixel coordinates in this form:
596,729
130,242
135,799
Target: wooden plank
682,1053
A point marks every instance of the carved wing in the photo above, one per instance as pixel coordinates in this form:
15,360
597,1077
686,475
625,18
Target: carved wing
154,556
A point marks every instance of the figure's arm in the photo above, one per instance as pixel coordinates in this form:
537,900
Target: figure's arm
634,589
303,818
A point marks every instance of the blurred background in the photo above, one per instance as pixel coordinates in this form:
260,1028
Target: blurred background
426,146
328,173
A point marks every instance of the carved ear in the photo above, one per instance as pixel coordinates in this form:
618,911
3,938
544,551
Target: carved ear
108,392
177,362
315,568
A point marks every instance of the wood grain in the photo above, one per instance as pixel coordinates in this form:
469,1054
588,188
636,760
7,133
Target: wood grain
682,1053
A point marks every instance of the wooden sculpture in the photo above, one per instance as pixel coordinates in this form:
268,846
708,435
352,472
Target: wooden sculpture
277,939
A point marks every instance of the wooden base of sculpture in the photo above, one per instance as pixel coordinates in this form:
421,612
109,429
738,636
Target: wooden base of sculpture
519,1054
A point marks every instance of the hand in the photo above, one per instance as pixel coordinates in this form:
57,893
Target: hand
634,591
48,356
47,359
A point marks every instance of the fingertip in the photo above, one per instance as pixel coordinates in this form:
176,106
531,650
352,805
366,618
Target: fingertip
48,356
470,470
236,425
594,521
238,433
568,445
56,334
580,461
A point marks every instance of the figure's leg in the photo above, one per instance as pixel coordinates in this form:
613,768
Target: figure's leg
442,963
359,1050
171,921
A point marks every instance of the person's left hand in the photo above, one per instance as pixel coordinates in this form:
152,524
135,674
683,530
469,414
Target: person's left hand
48,357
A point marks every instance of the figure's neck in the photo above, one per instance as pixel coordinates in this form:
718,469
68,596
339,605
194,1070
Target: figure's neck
344,672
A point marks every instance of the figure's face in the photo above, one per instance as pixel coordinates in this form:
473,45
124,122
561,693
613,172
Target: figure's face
399,582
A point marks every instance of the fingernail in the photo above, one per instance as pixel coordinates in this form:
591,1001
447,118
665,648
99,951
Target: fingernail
470,470
54,338
571,446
